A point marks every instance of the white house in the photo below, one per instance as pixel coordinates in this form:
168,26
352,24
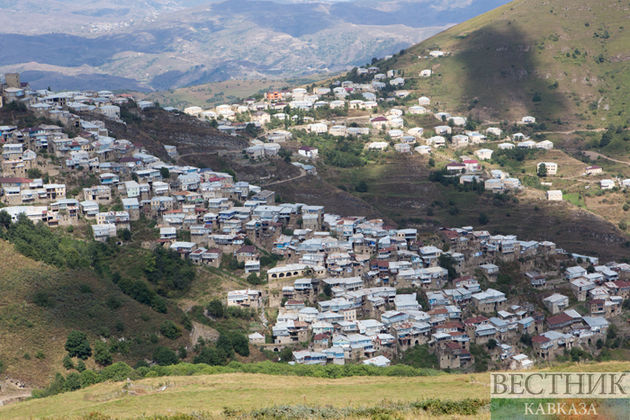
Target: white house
594,170
417,110
424,101
442,130
552,167
528,119
308,152
416,131
556,303
554,195
318,128
458,121
423,150
425,73
495,131
377,145
607,184
436,141
484,154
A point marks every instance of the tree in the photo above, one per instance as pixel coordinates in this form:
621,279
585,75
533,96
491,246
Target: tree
5,219
124,234
169,330
224,343
34,173
166,174
164,356
607,137
102,355
215,309
240,344
362,186
211,356
286,354
448,262
542,170
328,290
483,219
77,345
253,279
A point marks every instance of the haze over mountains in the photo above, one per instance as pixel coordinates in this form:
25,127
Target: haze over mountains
162,44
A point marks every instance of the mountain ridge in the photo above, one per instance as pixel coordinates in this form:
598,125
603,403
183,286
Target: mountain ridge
179,43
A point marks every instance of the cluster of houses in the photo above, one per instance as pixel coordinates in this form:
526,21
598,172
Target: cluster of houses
337,293
347,288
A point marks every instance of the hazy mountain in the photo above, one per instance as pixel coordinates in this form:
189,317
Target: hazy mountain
160,44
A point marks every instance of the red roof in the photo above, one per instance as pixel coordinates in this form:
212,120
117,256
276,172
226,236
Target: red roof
378,119
9,180
452,345
475,320
247,249
450,234
470,161
294,302
539,339
320,337
559,319
437,311
622,284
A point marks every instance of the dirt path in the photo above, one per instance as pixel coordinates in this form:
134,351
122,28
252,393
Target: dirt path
594,155
301,175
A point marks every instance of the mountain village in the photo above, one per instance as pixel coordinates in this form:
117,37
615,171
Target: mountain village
343,288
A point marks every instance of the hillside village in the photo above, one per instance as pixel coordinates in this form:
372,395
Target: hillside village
342,288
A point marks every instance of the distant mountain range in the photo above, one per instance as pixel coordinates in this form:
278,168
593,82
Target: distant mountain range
164,44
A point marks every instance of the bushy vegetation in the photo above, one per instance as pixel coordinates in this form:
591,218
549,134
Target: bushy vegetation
168,366
168,271
42,244
385,410
420,357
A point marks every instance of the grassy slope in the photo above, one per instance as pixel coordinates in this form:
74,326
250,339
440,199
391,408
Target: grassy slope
241,391
216,93
399,190
28,328
503,57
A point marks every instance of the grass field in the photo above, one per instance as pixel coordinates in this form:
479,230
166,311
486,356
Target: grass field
212,394
559,60
244,392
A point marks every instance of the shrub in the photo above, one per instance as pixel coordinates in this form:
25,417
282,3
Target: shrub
169,330
215,308
164,356
88,377
102,355
211,356
67,362
240,344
